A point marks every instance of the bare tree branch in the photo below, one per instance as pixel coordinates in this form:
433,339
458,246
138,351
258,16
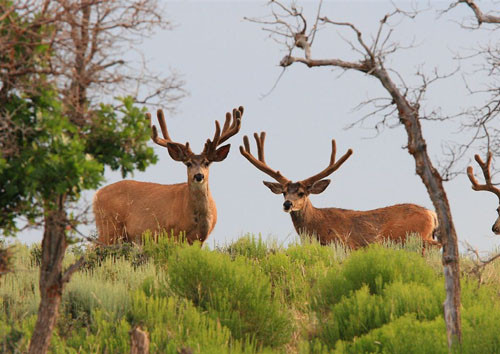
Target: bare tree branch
480,16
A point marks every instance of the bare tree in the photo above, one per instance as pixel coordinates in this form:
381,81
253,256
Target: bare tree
288,25
94,47
480,120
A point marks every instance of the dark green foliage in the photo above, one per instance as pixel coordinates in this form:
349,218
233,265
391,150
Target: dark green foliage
235,292
117,137
127,251
48,151
5,259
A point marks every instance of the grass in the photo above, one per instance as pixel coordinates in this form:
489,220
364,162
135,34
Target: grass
252,296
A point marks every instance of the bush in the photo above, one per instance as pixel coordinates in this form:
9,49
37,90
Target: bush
161,247
106,288
376,267
247,246
403,335
175,323
235,292
358,314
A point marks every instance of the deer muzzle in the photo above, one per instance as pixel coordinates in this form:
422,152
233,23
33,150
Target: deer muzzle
198,178
287,206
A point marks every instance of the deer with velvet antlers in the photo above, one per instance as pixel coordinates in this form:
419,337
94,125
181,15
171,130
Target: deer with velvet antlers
349,227
488,186
126,209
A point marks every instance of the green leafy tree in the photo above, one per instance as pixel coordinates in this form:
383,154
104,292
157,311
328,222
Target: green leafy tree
56,137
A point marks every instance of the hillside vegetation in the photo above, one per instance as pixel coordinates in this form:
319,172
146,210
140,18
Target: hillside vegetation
252,297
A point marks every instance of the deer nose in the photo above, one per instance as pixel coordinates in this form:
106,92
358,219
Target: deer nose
287,205
198,177
495,229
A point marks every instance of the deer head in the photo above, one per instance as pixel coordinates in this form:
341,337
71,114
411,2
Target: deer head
296,193
198,165
488,186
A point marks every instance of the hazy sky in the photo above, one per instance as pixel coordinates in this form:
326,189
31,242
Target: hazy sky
227,61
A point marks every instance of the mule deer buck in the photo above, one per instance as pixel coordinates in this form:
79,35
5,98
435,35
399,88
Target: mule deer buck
124,210
349,227
488,186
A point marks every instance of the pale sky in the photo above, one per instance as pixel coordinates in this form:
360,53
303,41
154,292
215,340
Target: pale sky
227,61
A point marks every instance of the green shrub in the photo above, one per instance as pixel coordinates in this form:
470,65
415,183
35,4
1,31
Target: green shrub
175,323
161,247
312,253
362,312
374,266
235,292
106,287
128,251
247,246
104,336
403,335
480,327
15,335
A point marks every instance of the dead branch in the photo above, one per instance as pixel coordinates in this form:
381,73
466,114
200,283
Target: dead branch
480,16
480,264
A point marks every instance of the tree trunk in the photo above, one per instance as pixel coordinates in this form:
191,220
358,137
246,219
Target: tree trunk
139,341
51,282
417,147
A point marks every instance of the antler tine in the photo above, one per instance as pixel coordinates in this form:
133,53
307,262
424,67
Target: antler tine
260,145
163,125
154,133
231,129
332,167
260,163
166,137
485,166
231,126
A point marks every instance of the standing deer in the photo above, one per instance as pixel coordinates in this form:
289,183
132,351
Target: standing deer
349,227
124,210
488,186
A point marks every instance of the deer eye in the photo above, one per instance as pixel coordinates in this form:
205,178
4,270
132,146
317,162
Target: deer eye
206,163
189,164
301,194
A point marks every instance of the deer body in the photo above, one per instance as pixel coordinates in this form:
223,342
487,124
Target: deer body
184,208
350,227
126,209
359,228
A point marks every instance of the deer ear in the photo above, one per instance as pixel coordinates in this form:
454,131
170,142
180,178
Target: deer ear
274,187
221,153
319,186
176,151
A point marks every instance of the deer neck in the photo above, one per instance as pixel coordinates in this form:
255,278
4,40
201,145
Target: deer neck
201,205
199,197
303,217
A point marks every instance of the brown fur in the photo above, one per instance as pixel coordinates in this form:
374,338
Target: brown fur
356,229
124,210
349,227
